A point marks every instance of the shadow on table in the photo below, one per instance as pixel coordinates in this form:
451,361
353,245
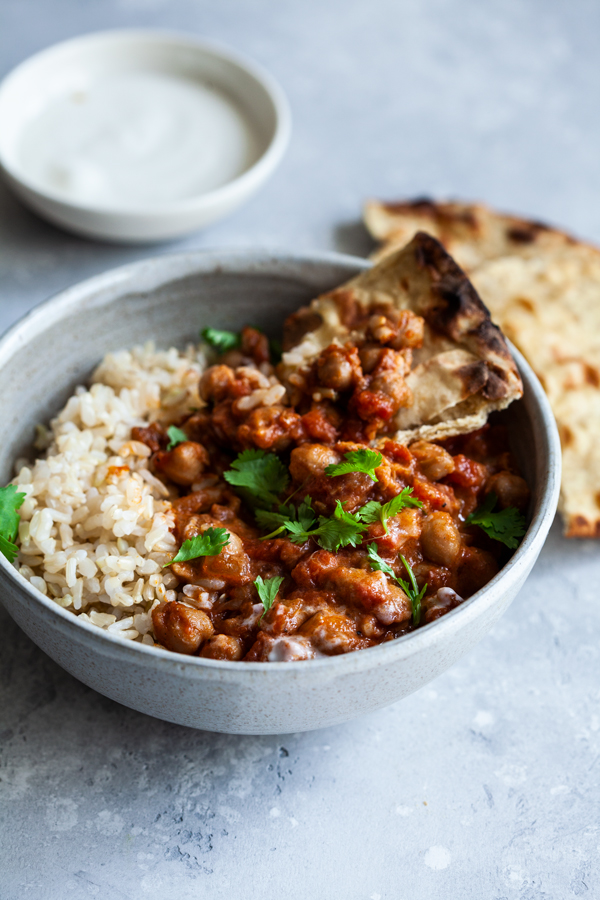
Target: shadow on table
353,238
19,227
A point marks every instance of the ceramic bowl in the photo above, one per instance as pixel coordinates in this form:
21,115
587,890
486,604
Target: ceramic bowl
67,70
169,299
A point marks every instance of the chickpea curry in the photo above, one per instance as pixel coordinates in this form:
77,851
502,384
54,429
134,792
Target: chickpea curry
326,495
305,528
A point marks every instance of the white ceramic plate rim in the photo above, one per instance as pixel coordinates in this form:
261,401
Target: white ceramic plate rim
36,321
266,163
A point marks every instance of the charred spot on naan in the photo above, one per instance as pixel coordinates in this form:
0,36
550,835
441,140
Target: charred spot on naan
461,313
581,527
441,213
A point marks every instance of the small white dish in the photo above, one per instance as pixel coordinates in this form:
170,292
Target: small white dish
136,136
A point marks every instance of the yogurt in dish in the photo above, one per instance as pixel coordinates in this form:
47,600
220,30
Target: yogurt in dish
137,139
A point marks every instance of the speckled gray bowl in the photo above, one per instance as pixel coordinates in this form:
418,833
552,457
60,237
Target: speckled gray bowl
168,299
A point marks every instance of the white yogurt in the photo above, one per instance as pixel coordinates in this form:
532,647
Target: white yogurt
137,139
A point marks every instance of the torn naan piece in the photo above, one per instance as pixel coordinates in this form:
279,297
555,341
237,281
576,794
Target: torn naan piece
543,288
444,377
471,232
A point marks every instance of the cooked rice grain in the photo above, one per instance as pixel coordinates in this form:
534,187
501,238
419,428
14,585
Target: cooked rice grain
95,524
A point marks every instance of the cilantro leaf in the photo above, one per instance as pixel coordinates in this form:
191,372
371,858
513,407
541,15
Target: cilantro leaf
297,533
411,588
9,549
412,591
209,543
332,533
176,436
269,520
373,511
220,339
277,522
306,514
357,461
378,563
10,501
506,525
267,591
261,475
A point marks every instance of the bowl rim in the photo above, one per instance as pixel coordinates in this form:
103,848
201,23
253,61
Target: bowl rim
251,261
259,170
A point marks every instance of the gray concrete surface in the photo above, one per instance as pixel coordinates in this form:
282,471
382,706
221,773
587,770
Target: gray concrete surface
483,785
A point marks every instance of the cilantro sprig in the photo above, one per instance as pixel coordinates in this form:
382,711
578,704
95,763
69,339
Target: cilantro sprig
10,501
506,525
261,476
267,591
374,511
176,436
378,563
220,339
410,587
357,461
330,532
209,543
343,529
412,590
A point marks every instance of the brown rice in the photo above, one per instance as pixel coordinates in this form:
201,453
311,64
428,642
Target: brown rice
95,525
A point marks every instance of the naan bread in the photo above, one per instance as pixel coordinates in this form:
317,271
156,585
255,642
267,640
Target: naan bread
543,289
464,369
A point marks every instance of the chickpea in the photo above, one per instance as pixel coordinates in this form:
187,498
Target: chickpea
388,379
180,628
216,382
184,463
393,386
311,459
229,568
410,329
270,428
381,329
222,646
231,565
439,604
285,617
255,344
440,539
370,355
368,626
510,489
372,591
335,368
331,632
434,462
